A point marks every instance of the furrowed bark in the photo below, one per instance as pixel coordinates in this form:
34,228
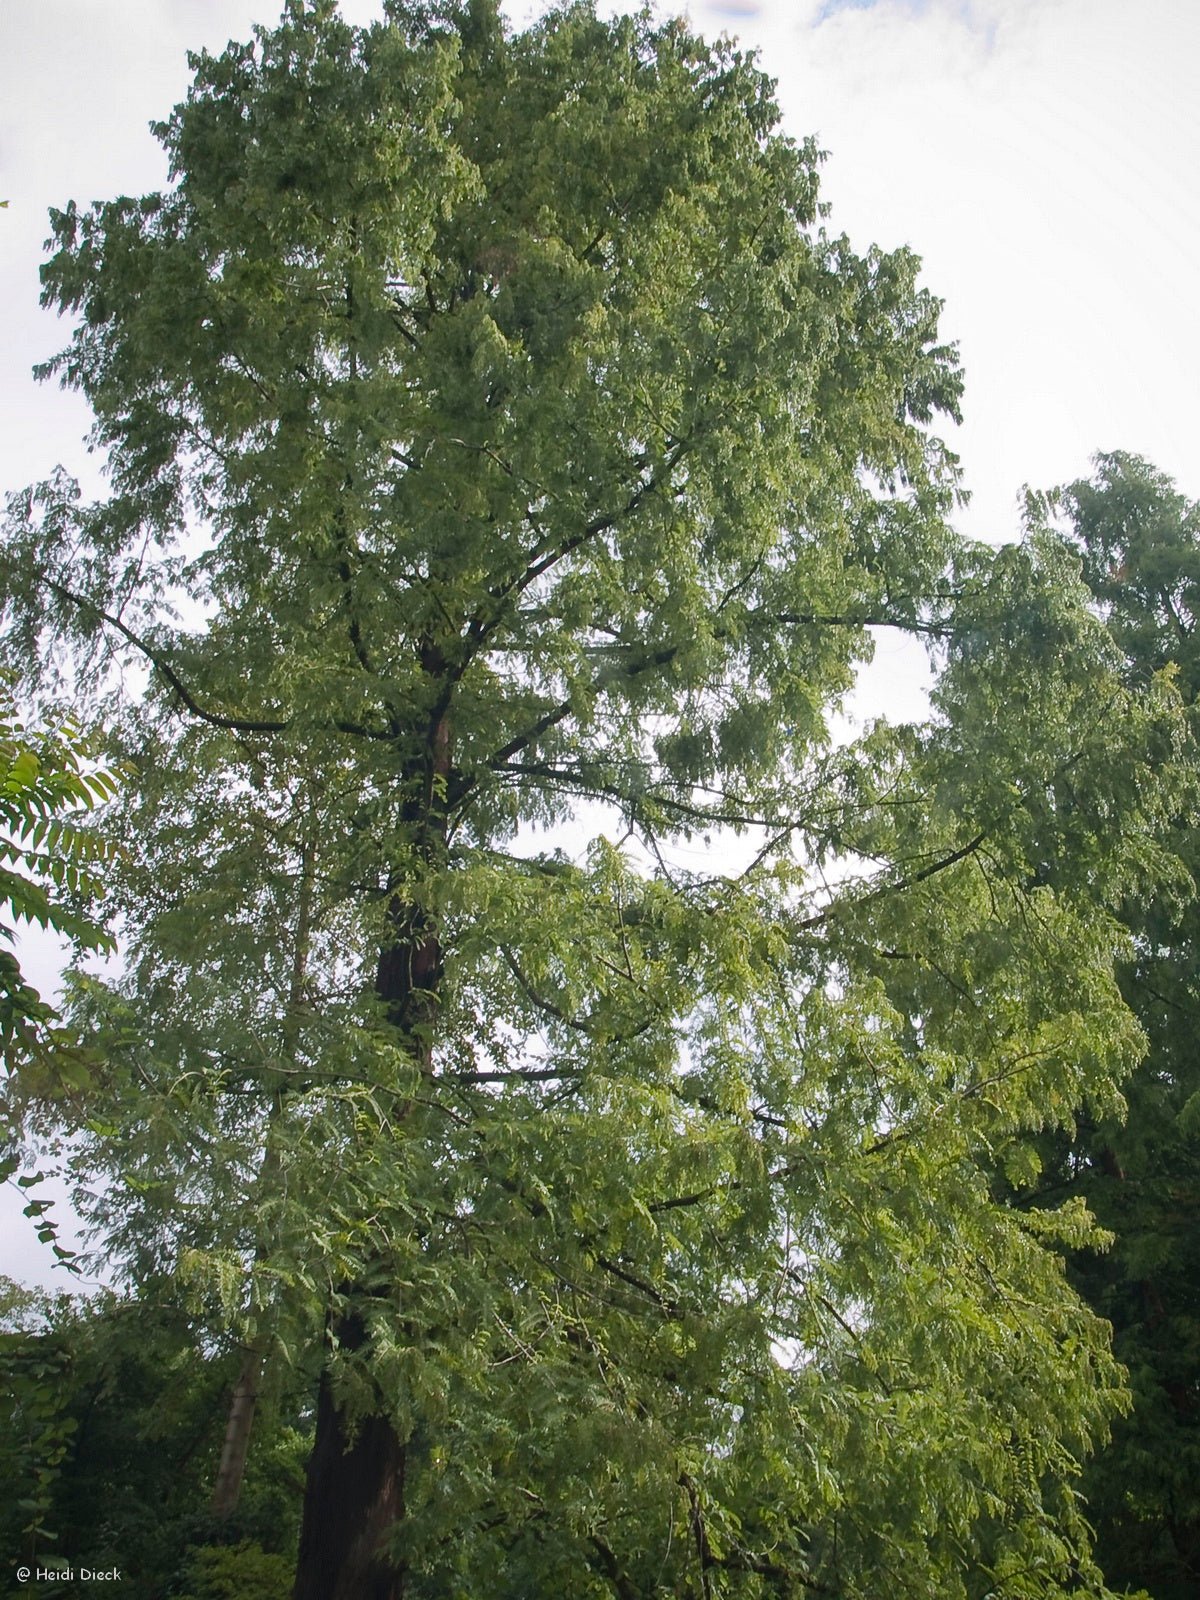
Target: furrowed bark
353,1499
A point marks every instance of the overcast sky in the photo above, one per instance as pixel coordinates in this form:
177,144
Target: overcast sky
1041,156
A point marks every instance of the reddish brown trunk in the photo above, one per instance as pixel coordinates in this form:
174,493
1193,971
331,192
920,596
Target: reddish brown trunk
353,1499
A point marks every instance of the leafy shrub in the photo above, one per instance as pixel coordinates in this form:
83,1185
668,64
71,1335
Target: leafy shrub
237,1572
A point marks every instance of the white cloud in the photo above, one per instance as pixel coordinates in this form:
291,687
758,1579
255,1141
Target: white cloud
1040,155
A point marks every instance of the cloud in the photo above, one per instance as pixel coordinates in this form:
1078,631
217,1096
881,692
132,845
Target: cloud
1040,156
735,10
830,8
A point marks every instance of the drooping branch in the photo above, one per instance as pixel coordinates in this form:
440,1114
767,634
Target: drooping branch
548,1008
158,661
737,1560
215,719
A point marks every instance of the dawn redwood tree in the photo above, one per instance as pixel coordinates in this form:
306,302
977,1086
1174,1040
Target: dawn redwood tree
498,441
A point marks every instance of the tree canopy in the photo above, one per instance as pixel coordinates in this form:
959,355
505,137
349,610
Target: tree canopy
537,1029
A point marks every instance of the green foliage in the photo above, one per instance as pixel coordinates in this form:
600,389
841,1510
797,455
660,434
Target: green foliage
37,1432
114,1422
49,864
1140,1173
504,452
1140,543
50,875
238,1572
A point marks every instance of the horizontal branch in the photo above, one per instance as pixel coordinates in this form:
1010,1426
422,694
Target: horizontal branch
817,619
516,1075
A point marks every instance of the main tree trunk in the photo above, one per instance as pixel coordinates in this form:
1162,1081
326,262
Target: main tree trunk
354,1487
353,1498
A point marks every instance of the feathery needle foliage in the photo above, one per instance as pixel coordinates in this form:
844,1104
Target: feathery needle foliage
501,445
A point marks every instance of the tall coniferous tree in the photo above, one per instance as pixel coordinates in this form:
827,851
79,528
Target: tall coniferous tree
531,454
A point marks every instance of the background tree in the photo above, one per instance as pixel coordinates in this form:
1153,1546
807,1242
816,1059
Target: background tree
1140,543
498,441
112,1427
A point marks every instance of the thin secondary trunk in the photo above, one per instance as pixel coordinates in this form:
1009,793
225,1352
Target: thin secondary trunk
354,1487
236,1445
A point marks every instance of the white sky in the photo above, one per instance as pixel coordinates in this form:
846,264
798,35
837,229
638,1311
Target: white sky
1042,156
